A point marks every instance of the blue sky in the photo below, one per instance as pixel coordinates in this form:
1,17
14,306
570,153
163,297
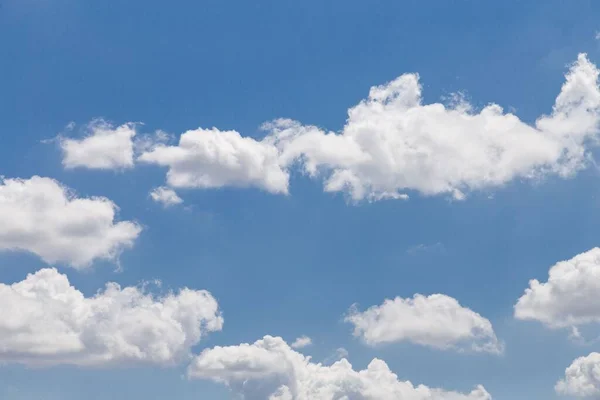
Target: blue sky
292,264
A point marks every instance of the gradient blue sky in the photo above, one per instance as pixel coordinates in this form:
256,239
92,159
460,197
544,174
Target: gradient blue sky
292,265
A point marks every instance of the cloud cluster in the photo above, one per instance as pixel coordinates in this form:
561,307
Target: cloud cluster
41,216
393,143
437,321
271,369
45,321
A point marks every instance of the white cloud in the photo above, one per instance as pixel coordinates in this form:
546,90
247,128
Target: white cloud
301,342
45,321
437,321
392,142
105,147
270,369
568,298
41,216
209,158
582,378
166,196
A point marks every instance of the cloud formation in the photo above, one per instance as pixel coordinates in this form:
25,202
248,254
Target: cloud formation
210,158
270,369
582,378
436,321
393,143
41,216
104,147
301,342
165,196
45,321
568,298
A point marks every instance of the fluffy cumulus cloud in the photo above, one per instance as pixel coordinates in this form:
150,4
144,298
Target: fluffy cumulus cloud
271,369
45,321
582,378
393,143
165,196
568,298
104,147
210,158
437,321
41,216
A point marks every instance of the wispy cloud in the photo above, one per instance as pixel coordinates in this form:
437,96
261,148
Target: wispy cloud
437,247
